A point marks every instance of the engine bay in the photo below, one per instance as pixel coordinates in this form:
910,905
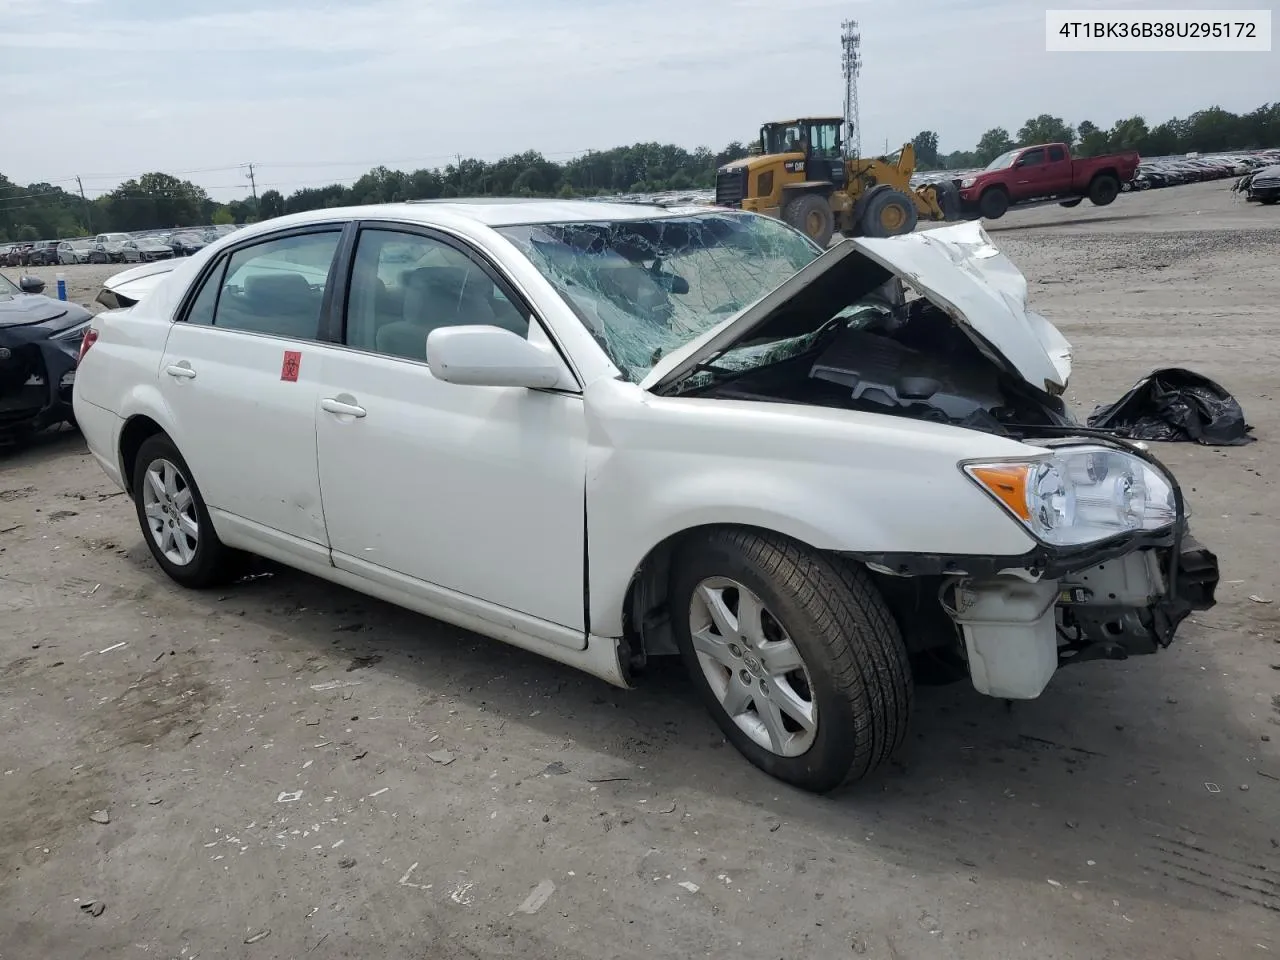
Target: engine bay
907,359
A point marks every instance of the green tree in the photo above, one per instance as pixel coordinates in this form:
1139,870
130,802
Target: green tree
993,143
222,216
1093,141
926,146
1130,134
1045,129
270,204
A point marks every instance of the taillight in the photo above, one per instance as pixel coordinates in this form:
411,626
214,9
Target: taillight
90,338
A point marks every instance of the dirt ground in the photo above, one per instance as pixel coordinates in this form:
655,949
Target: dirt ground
326,776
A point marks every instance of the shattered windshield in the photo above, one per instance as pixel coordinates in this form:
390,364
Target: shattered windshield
7,288
647,287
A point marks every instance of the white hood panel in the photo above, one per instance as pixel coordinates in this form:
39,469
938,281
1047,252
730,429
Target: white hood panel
960,270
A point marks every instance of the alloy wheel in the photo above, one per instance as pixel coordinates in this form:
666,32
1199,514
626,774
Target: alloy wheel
170,511
753,667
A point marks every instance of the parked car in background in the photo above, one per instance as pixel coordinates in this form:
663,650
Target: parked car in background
75,251
644,431
185,243
1263,185
43,253
1045,172
18,255
151,248
8,255
39,345
114,247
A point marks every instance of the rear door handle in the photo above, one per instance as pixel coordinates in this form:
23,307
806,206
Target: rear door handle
180,370
334,405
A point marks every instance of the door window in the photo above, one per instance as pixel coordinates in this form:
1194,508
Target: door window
276,287
405,285
1032,158
1057,154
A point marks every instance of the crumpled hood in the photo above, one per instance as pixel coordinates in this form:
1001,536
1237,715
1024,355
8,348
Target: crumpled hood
127,287
28,309
956,267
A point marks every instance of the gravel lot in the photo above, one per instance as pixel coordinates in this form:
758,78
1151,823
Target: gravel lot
1133,811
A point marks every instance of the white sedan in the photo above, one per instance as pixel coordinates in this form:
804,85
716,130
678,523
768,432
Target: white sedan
607,432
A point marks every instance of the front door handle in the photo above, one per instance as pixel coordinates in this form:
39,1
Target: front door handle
334,405
181,371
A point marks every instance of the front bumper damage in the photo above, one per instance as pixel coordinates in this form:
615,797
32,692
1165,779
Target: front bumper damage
1016,620
37,376
1017,632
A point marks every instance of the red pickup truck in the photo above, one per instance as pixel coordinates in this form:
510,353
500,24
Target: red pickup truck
1044,172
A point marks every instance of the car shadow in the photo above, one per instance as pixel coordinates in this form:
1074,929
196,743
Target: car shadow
1134,764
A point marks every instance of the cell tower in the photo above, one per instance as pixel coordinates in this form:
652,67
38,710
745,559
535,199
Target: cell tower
851,40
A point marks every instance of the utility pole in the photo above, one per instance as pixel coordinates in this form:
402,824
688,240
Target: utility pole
88,213
253,184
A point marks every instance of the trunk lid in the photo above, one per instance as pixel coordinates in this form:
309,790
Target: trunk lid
956,267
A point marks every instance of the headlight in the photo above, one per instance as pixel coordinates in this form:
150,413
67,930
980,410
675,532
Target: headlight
73,333
968,182
1080,494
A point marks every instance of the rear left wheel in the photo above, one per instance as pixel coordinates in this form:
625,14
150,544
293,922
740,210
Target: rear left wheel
797,657
174,518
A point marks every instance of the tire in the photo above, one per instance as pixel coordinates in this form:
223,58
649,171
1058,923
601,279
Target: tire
993,204
888,213
948,196
811,215
1268,201
1103,189
1073,202
206,563
853,679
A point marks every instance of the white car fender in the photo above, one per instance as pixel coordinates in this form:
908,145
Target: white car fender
833,479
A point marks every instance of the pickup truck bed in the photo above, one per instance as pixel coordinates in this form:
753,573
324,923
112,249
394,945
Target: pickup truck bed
1044,172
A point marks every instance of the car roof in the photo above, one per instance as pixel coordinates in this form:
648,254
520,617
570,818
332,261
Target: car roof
484,212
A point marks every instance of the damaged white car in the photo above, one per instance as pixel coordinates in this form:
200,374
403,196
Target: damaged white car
608,432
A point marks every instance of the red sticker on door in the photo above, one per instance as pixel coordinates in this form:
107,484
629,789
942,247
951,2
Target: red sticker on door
292,363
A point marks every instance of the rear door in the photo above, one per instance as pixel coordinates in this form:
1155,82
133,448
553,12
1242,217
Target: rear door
239,376
1057,170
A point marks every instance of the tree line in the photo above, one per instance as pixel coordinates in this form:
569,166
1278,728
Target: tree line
159,200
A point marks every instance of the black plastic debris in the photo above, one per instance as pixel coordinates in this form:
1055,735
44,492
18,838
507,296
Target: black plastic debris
1174,405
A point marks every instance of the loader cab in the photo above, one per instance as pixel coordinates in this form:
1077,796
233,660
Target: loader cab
818,140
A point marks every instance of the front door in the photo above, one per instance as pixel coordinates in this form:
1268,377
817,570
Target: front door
477,490
240,378
1029,174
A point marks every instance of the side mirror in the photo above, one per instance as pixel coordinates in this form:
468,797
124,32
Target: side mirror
31,284
486,356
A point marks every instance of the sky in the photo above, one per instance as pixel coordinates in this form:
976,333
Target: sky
318,91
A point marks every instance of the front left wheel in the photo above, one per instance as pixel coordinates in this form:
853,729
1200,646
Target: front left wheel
796,656
174,518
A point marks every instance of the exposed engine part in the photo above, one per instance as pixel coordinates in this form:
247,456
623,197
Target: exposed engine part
879,370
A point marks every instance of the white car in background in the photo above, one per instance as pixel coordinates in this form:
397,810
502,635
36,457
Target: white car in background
114,248
74,251
606,432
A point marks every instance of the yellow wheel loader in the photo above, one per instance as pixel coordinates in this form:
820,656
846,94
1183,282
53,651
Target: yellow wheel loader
798,174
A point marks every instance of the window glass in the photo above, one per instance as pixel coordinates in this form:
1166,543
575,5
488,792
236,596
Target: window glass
277,287
201,311
824,139
647,287
403,286
1057,154
1032,158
